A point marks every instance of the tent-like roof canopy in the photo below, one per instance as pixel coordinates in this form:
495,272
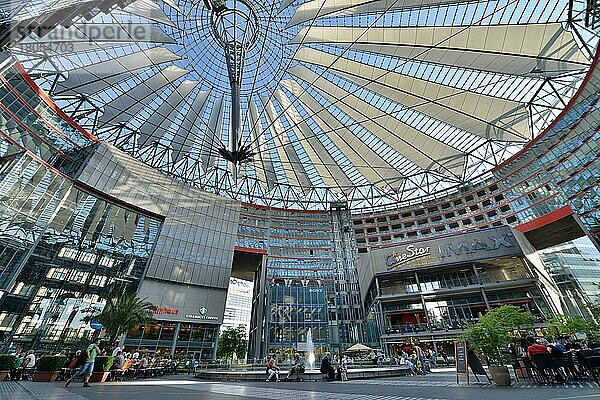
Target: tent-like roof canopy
358,347
369,102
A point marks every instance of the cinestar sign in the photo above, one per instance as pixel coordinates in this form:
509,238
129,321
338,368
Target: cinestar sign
395,259
459,248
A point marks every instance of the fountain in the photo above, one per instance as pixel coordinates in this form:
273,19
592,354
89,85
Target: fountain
310,350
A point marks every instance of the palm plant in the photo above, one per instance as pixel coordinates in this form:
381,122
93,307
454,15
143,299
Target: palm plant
124,313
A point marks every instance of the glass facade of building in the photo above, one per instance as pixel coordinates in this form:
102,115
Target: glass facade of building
575,267
63,249
238,306
310,279
433,298
180,339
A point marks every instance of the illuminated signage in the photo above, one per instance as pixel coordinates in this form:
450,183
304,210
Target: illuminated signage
202,315
461,248
410,254
165,310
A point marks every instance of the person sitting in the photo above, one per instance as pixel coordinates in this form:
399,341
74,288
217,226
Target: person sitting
539,347
327,368
297,369
559,344
409,362
17,369
571,345
343,367
119,360
272,370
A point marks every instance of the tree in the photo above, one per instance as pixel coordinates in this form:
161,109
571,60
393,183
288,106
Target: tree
124,313
232,342
594,307
496,329
571,325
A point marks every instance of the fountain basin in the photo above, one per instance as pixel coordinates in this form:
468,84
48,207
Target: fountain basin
309,375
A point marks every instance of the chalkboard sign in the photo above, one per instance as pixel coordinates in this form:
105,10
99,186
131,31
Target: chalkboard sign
460,355
475,363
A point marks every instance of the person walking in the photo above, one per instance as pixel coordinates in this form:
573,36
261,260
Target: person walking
88,366
433,358
28,365
17,369
445,357
421,358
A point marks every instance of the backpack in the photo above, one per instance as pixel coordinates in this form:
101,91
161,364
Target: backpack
82,357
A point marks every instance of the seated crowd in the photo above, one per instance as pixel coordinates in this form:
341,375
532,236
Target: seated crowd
558,361
126,365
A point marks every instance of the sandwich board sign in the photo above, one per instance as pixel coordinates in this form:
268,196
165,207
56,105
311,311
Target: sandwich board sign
462,362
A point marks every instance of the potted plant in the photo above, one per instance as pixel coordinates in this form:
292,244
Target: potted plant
6,363
48,367
102,366
492,334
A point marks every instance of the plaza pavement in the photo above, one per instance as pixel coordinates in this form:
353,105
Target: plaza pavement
440,385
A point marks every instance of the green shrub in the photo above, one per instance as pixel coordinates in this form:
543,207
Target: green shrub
50,363
495,330
103,363
6,362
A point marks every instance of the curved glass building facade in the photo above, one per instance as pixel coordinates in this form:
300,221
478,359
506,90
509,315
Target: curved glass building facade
384,176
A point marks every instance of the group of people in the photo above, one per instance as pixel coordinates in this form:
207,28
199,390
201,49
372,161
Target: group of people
22,366
328,369
560,346
420,360
295,372
83,361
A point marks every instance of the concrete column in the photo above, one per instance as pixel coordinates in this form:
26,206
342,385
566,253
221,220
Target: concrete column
175,336
487,303
422,301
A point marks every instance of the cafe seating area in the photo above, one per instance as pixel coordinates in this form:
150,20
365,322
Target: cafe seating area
549,369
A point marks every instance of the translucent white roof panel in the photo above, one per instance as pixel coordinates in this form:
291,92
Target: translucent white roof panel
365,101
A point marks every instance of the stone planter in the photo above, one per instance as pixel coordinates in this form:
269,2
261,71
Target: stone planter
500,375
99,377
45,376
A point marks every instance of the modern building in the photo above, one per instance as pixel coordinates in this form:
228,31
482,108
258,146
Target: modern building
431,290
575,267
238,306
145,146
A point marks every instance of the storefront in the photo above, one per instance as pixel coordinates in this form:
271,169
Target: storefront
188,318
429,292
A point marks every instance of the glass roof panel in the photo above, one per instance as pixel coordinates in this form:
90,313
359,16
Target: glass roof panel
369,102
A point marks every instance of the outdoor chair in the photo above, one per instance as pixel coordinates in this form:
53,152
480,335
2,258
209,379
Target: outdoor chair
544,366
562,366
590,359
523,371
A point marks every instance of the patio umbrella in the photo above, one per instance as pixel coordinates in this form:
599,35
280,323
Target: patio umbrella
358,347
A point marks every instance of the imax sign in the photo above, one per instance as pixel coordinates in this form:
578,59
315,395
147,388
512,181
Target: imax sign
489,243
